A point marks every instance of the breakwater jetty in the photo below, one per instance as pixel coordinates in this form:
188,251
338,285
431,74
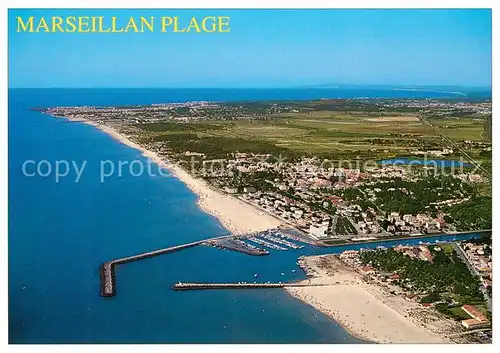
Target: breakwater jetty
199,286
107,271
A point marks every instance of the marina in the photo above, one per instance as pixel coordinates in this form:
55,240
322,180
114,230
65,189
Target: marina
227,242
267,244
269,236
276,239
237,245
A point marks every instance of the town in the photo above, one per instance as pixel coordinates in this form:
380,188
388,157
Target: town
372,190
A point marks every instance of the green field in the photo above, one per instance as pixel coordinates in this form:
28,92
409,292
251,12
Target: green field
461,129
326,133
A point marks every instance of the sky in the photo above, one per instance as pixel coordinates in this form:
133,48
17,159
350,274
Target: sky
265,48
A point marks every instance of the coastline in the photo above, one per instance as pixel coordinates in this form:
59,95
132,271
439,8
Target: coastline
347,300
233,214
361,308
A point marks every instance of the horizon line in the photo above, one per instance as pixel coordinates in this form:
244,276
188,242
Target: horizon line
319,86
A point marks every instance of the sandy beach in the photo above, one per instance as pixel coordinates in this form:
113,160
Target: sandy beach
235,215
358,306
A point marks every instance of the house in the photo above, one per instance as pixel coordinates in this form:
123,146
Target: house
349,254
401,247
423,218
405,228
336,200
474,323
474,312
298,213
230,190
394,214
367,270
425,254
410,296
249,189
318,231
399,222
408,218
486,282
478,319
394,276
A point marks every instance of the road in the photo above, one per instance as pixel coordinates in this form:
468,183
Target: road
457,147
468,332
473,271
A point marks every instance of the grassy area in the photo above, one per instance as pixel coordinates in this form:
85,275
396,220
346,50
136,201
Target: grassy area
332,135
344,226
459,313
326,132
461,129
447,248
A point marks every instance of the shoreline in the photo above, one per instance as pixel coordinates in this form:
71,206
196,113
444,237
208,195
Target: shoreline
353,333
364,310
233,214
239,217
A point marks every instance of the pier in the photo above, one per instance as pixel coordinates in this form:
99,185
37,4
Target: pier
200,286
237,245
228,242
274,239
267,244
108,276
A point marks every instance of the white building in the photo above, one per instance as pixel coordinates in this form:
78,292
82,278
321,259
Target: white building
318,231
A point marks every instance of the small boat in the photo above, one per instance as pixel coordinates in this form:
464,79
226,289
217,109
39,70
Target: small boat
282,274
256,275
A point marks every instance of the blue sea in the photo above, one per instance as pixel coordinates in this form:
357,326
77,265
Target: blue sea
61,232
439,163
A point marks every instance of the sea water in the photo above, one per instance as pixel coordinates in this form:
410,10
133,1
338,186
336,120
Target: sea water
61,232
